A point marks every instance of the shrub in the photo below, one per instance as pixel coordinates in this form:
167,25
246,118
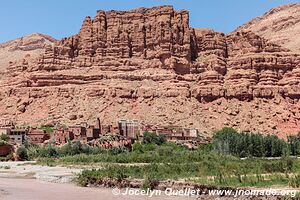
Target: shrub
48,151
295,181
22,153
137,147
153,138
149,183
4,137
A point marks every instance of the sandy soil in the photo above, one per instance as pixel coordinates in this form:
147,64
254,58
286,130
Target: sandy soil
30,170
32,189
27,181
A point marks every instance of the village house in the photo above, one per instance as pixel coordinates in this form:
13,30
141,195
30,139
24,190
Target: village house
78,131
17,136
5,127
129,128
110,129
190,133
62,136
92,133
37,136
4,130
83,132
87,133
175,133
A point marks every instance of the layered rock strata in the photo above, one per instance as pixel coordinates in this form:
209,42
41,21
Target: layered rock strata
150,65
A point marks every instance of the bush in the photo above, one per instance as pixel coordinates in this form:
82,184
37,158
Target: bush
22,153
153,138
6,158
4,137
295,181
137,147
70,149
149,183
47,151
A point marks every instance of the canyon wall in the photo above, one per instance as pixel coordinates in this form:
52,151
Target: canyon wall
150,65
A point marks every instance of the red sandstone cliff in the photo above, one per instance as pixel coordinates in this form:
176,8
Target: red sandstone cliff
149,64
280,25
23,49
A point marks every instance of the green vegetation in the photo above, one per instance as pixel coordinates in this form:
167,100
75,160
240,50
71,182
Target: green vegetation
295,181
211,165
6,158
229,141
152,138
5,167
214,169
4,142
294,142
216,164
4,137
168,152
22,153
153,162
47,129
71,149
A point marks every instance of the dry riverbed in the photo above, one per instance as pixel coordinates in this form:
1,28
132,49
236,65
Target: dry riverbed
33,189
28,181
30,170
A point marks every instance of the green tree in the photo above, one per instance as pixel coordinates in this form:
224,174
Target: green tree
229,141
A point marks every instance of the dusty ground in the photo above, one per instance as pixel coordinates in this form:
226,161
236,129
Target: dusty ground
32,189
27,181
30,170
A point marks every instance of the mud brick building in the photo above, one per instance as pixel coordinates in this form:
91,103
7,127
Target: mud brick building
37,136
6,126
4,130
92,133
62,136
176,133
129,128
190,133
18,136
6,149
78,131
83,132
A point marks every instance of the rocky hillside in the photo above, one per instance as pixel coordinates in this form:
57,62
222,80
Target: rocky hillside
150,65
280,25
28,47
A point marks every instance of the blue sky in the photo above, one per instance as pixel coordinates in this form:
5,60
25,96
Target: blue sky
62,18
